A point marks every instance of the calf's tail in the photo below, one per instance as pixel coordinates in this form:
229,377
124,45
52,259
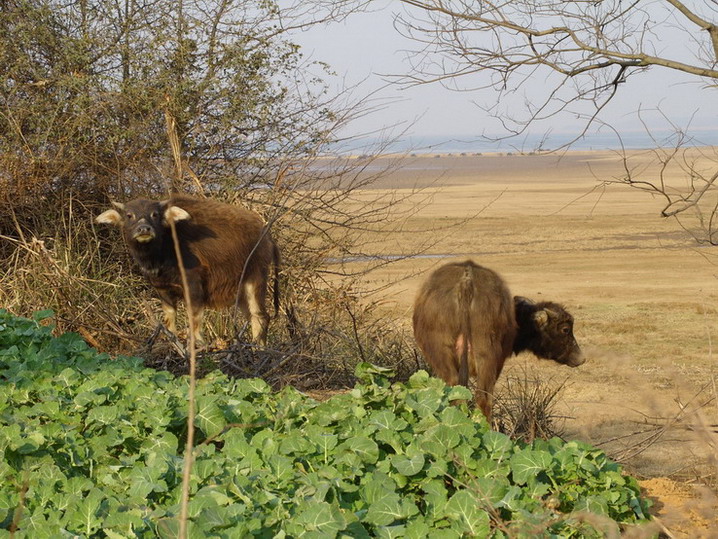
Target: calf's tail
466,296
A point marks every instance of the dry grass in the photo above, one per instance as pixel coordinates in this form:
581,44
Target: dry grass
69,275
321,360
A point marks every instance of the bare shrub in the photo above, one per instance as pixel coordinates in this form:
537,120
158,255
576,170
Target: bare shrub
525,407
67,272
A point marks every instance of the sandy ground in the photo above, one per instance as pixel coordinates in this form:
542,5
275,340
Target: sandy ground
642,291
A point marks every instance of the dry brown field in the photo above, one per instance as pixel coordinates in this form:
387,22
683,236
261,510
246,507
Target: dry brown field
642,291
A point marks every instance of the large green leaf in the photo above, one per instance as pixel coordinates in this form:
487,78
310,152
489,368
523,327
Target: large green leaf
363,447
295,442
498,445
529,463
470,518
104,415
210,417
385,509
83,517
410,463
316,520
323,439
439,440
425,402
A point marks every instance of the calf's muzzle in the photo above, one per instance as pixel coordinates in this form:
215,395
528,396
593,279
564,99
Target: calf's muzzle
143,232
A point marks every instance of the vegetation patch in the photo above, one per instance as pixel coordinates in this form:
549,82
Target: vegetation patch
92,446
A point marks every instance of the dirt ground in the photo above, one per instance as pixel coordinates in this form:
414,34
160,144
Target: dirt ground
642,291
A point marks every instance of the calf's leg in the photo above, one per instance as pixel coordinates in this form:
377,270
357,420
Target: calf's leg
255,294
439,352
169,310
169,317
197,318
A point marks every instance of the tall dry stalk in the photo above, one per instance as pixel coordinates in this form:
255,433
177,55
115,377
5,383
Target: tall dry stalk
189,446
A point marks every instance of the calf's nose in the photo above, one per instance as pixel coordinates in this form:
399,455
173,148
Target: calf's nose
577,358
143,232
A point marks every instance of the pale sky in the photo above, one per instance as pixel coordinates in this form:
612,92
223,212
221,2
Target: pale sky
366,46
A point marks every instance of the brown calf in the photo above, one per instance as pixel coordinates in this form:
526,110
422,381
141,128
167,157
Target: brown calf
466,324
226,251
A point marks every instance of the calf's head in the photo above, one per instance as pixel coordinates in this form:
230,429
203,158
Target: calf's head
142,220
546,329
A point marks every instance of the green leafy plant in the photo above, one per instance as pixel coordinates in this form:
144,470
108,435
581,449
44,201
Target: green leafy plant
91,446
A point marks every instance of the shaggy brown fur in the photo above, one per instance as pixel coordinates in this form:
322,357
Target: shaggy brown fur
465,324
226,251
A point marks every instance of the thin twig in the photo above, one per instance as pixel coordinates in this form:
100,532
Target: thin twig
189,447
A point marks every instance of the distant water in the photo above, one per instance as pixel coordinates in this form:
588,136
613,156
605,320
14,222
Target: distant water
528,143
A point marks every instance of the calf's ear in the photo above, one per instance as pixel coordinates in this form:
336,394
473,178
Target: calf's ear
109,217
175,213
541,318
